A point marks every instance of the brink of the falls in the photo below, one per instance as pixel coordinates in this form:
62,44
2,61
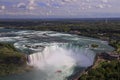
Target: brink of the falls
57,56
61,60
53,55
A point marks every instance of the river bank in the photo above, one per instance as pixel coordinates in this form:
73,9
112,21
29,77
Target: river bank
12,61
28,46
106,66
105,59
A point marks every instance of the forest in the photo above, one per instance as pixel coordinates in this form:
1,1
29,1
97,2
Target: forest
104,71
11,61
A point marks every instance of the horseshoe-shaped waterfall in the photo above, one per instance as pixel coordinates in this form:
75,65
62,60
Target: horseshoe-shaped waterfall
54,56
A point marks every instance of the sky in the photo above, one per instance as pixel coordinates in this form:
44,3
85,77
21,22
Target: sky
59,8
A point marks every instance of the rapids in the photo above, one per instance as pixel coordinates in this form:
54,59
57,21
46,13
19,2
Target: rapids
54,56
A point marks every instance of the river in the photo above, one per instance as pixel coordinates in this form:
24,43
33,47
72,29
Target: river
54,55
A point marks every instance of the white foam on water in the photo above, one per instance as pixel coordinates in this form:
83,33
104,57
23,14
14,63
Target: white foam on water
57,59
7,39
59,34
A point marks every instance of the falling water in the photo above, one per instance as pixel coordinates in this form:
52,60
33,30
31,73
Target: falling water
62,59
54,56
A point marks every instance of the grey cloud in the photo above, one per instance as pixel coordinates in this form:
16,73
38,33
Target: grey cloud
59,7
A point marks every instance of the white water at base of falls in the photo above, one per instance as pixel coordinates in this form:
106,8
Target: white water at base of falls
56,60
48,53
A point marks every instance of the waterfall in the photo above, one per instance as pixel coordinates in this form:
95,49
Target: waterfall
54,56
62,56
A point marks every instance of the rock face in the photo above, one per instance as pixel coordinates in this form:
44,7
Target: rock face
109,56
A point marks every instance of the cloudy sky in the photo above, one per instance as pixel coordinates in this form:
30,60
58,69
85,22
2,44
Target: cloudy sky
59,8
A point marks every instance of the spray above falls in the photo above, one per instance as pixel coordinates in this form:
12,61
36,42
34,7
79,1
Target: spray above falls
55,55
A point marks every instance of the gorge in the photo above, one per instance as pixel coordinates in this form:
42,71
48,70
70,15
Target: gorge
53,55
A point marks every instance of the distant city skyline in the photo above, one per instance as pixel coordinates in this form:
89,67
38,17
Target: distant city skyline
59,8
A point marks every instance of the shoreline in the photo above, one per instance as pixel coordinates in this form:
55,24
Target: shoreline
99,59
21,69
11,60
87,69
